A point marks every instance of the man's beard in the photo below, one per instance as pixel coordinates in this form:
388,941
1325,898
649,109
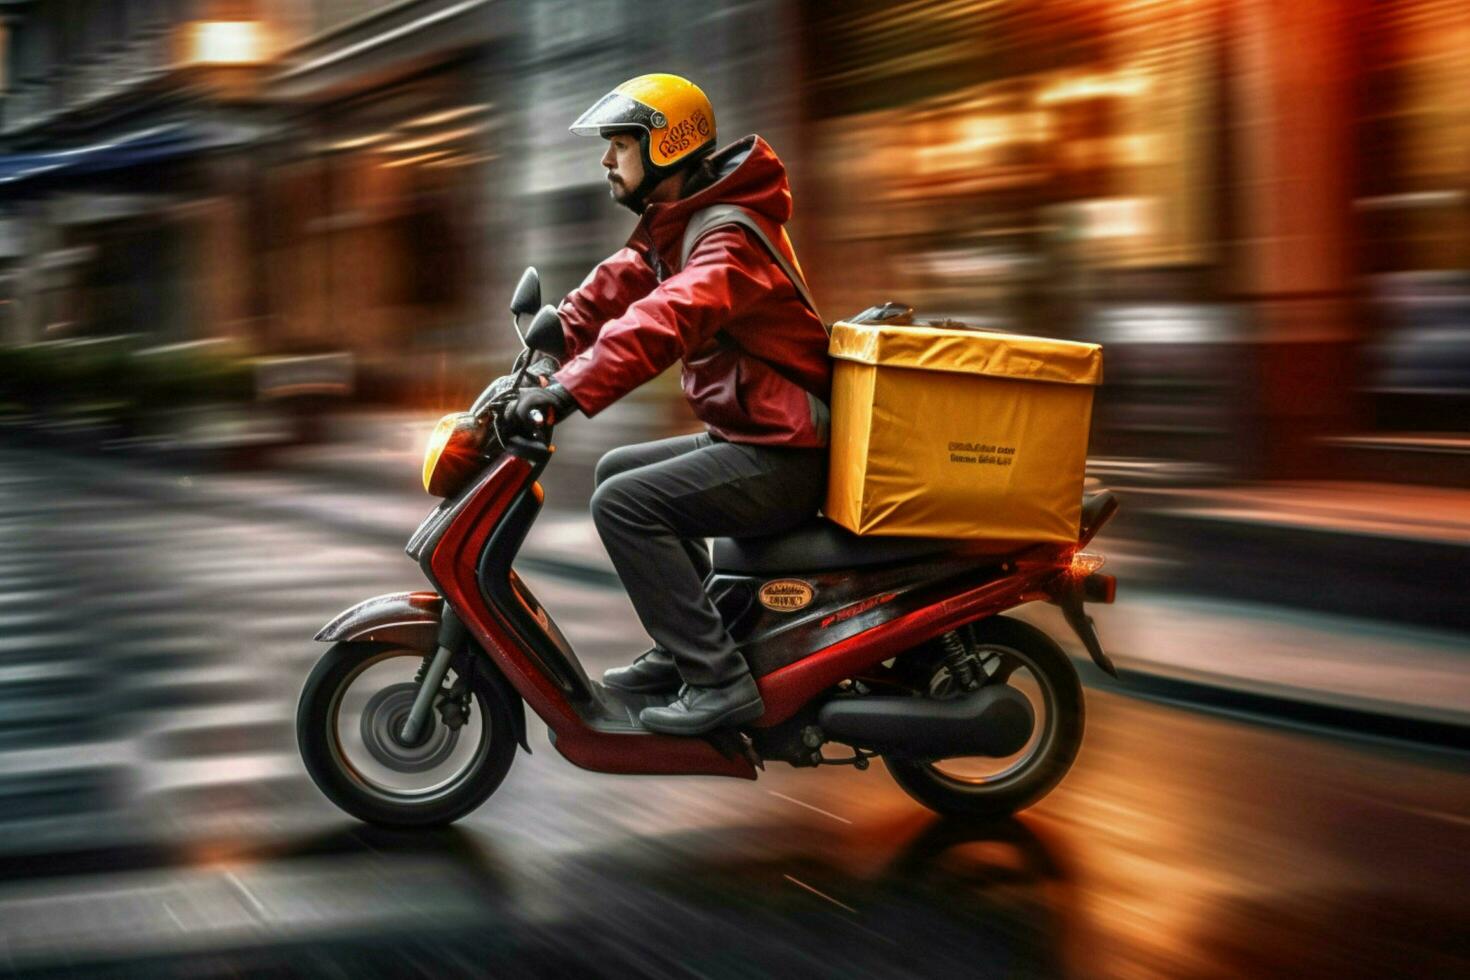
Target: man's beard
621,195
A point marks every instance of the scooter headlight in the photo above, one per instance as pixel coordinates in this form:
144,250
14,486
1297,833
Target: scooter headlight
453,453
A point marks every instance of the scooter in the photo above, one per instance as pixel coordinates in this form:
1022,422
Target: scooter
863,646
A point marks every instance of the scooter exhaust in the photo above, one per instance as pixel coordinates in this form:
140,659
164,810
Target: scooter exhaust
993,721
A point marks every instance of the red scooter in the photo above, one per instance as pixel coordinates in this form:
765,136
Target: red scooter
878,646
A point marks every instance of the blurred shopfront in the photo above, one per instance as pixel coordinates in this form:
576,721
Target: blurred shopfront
376,237
380,211
1413,209
1183,180
1010,153
1054,168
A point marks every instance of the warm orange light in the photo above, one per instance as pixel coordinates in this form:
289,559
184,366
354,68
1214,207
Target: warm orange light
357,142
433,139
438,439
1084,563
410,161
462,160
227,42
447,115
1076,88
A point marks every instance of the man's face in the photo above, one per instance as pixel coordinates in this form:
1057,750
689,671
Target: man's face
624,166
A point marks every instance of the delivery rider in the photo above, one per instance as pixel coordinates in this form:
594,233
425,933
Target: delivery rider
732,307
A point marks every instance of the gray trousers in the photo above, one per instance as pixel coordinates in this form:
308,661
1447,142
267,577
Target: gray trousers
654,505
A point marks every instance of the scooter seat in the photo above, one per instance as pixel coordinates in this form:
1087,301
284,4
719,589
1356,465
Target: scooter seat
819,545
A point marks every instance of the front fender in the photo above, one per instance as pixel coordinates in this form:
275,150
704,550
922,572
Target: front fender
409,619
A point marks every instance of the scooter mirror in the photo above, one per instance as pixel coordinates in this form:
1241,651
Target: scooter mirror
544,334
527,297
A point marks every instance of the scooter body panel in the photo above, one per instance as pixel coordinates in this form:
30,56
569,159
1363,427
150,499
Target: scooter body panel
857,618
454,565
787,689
845,603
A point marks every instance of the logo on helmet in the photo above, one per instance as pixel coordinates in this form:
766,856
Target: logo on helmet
688,133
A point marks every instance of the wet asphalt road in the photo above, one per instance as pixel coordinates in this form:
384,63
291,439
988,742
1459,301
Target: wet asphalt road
155,820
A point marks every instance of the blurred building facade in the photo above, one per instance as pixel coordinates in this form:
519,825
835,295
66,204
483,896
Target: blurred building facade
302,175
1260,208
122,127
382,204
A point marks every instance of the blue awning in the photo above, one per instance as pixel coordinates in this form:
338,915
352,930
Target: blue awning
134,149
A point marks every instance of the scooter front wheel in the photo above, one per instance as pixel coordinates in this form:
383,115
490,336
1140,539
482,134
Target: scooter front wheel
349,725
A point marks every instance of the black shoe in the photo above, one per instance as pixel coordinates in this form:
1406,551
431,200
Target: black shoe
703,709
652,673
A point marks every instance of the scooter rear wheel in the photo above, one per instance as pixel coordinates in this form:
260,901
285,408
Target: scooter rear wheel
347,724
1051,685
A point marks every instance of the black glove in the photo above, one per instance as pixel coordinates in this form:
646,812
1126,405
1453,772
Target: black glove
553,397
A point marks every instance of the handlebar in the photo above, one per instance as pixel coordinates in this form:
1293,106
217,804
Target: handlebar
498,395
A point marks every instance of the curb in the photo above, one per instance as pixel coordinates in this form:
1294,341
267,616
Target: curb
1281,710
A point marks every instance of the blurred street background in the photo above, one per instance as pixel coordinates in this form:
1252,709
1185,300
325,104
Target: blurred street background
250,250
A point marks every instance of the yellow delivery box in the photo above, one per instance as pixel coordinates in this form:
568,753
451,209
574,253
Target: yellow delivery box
955,433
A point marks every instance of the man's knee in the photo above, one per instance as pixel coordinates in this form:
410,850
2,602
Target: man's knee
610,465
615,500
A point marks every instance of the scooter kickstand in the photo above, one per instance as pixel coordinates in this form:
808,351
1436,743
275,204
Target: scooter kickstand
747,745
732,742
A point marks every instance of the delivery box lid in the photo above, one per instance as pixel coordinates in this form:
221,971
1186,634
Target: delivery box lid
1005,355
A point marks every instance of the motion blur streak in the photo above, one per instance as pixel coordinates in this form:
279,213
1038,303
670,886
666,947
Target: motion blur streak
251,249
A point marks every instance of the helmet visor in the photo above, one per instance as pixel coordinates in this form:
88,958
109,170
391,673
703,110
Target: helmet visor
614,111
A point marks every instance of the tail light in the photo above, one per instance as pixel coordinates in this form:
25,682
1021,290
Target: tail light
1084,563
1094,586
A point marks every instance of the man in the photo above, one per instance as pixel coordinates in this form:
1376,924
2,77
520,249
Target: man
755,371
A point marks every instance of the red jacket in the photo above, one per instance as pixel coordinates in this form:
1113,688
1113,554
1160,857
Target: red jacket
770,380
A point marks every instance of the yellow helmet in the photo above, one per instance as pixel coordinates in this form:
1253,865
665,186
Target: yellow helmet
676,121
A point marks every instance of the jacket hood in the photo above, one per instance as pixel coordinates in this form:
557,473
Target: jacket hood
748,174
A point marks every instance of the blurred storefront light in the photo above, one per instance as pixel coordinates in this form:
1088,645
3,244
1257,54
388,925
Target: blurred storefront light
226,42
446,115
433,139
420,158
1118,217
357,142
1097,86
463,160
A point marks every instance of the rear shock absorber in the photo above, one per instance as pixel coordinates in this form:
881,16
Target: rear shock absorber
959,661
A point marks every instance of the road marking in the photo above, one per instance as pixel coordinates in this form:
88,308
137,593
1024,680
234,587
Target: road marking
175,916
815,809
802,884
248,895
